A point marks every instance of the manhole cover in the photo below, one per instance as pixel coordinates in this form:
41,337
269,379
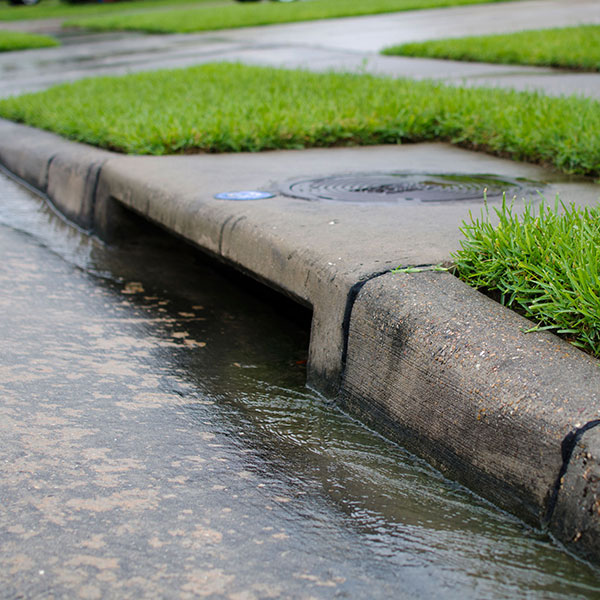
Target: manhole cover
404,187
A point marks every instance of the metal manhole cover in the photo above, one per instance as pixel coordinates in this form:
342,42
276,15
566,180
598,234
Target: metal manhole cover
404,187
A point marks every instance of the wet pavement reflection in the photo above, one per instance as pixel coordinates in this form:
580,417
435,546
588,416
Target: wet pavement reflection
157,440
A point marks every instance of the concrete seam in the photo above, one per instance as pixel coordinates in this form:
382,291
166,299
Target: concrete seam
350,301
567,448
222,233
47,173
94,190
237,222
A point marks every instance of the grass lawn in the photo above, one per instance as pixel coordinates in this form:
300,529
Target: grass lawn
545,265
569,47
51,9
15,40
234,108
235,14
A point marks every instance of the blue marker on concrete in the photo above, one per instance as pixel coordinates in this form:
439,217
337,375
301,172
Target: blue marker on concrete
244,195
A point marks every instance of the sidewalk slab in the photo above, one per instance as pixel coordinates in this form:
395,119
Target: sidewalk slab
372,33
424,357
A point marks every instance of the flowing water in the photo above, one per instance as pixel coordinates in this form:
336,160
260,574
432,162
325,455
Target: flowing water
157,440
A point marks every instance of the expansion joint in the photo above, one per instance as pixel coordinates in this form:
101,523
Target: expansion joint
567,447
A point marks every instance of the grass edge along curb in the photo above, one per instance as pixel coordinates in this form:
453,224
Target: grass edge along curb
223,107
17,40
565,47
544,263
250,15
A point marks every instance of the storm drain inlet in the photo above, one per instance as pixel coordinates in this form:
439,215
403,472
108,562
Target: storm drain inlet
402,187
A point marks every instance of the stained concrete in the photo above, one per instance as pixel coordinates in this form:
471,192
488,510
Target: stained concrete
451,374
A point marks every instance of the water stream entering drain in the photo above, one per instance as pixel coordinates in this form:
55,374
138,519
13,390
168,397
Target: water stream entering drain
158,441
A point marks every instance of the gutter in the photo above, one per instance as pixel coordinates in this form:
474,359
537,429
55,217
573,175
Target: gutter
421,357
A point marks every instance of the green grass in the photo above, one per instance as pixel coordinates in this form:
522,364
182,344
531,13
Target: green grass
234,108
569,48
545,264
249,14
15,40
54,9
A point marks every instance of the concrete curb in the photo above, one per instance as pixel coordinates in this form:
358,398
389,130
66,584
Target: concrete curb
66,172
451,375
422,357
